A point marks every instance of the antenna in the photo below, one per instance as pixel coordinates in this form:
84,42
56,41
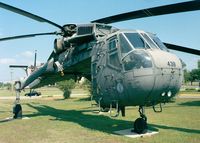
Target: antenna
35,59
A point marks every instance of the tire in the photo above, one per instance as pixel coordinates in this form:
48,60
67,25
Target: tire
140,126
17,111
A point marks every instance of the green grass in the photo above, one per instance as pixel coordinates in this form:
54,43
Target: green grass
5,92
72,121
188,93
45,91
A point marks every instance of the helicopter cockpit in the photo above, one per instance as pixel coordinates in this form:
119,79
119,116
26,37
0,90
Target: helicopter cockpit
134,46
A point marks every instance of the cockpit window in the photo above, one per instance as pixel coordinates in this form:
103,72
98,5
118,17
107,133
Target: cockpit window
150,42
136,60
113,59
136,40
112,44
158,42
124,45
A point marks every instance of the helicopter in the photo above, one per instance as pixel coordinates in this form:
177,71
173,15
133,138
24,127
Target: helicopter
28,70
125,67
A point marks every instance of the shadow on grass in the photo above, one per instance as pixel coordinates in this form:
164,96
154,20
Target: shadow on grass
85,99
191,103
176,128
95,122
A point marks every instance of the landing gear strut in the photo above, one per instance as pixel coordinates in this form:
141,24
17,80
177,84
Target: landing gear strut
140,124
17,108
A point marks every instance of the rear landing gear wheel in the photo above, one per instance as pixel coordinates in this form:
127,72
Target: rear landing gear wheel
140,126
17,111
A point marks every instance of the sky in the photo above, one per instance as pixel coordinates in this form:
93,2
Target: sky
181,29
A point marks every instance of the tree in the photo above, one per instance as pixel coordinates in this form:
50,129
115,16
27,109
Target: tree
87,85
66,86
192,76
1,84
195,74
187,76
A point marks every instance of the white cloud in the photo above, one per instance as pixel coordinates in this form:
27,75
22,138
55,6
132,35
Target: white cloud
27,54
7,61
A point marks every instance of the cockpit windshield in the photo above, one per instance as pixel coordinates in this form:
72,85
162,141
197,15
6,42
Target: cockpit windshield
158,42
139,40
137,59
132,47
125,47
130,41
136,40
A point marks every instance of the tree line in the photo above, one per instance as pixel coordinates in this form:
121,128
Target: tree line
193,75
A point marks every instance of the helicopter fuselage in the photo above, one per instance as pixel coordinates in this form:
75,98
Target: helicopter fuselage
127,67
132,74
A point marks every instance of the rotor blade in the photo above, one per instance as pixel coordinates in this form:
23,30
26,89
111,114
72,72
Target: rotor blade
18,66
182,49
27,36
29,15
155,11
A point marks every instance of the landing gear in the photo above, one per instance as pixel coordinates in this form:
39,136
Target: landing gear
17,111
17,108
140,124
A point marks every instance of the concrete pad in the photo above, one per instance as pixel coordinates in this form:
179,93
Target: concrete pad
25,118
128,133
11,118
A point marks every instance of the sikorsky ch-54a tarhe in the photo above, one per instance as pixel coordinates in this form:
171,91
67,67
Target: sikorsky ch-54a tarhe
125,67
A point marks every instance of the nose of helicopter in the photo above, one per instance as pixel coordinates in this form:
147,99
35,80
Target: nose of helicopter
163,59
157,83
168,76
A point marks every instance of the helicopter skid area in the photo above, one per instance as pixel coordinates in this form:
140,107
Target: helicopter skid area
130,134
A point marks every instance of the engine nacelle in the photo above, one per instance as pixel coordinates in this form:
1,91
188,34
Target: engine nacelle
59,45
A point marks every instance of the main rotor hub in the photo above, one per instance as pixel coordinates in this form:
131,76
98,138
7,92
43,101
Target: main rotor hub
69,29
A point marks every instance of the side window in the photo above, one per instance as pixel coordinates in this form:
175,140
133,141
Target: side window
113,53
112,44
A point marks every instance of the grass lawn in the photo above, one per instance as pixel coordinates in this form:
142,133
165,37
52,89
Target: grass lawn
72,121
193,93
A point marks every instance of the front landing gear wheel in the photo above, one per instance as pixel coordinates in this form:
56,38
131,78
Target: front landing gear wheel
17,111
140,126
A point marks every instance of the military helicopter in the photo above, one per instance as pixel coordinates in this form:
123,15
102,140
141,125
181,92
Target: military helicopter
29,70
126,67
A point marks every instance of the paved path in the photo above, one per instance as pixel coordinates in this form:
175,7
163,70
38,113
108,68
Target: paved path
21,97
37,97
189,96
